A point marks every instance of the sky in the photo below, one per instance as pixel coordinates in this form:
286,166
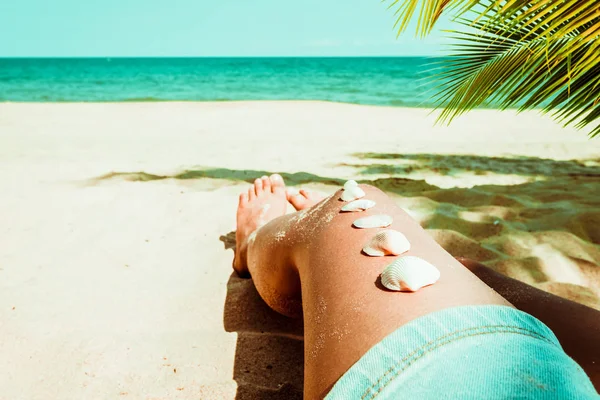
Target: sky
203,28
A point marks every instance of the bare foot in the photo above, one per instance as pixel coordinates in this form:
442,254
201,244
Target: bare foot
264,201
303,199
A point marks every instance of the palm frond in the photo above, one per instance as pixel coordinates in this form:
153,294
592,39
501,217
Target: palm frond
517,54
430,12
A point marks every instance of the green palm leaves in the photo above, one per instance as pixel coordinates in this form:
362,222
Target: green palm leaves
516,53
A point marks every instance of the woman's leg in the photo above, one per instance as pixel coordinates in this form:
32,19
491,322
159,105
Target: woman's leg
314,258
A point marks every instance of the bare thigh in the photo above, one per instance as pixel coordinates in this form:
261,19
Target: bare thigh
346,311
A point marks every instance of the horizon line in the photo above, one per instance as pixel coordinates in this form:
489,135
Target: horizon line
129,57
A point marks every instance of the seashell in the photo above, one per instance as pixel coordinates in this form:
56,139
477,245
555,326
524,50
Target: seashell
374,221
387,242
352,193
350,184
358,205
409,274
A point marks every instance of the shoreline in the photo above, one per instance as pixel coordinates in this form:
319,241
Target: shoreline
166,101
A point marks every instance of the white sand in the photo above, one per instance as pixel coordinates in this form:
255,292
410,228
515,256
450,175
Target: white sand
121,288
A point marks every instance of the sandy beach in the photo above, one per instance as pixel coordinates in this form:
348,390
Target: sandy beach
117,220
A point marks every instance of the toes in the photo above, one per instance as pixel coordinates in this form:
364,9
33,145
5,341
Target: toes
258,186
251,194
290,193
277,185
297,200
243,199
311,196
266,182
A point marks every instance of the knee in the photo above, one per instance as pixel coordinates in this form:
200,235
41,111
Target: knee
369,190
371,193
373,190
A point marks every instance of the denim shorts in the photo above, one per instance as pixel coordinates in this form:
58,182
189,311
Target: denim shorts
473,352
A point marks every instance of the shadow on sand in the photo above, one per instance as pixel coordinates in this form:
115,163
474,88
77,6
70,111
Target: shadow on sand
395,185
245,175
269,358
559,210
442,164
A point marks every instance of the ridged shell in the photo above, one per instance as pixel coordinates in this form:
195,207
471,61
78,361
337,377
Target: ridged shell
352,193
409,274
358,205
386,243
374,221
350,184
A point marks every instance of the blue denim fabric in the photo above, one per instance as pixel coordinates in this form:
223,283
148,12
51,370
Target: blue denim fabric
474,352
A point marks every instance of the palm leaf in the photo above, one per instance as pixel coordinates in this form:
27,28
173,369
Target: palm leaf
429,14
517,54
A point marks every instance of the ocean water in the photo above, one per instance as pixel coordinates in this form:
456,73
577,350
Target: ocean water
396,81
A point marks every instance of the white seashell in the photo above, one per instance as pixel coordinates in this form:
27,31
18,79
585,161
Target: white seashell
358,205
350,184
409,274
387,242
352,193
374,221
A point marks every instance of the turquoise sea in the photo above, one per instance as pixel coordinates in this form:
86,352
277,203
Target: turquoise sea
397,81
